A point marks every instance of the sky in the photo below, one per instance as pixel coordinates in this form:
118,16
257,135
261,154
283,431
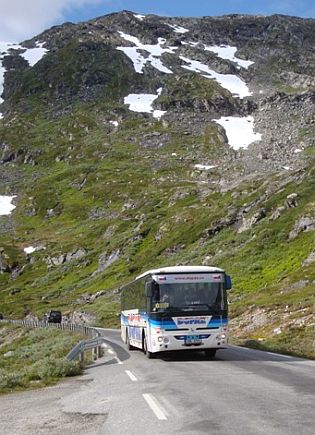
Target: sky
23,19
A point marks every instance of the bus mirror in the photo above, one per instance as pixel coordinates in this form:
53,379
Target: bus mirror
148,290
228,282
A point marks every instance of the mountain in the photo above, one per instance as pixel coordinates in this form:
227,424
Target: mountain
129,142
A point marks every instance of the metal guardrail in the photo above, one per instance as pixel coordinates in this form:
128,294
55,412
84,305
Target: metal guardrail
93,343
78,350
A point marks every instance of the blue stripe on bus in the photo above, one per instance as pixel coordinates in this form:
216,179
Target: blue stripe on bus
165,324
171,324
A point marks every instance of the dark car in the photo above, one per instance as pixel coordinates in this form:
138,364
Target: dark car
1,316
54,316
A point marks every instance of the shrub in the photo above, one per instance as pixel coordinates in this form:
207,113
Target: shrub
11,380
55,368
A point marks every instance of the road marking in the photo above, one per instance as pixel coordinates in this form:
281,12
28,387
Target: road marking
118,360
279,355
263,351
110,351
155,406
131,375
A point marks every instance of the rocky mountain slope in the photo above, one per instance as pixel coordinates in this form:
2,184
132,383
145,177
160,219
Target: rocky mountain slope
134,141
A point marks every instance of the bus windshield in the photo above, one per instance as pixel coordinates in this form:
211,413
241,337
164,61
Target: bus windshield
188,297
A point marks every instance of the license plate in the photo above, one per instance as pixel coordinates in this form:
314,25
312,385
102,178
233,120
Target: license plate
192,340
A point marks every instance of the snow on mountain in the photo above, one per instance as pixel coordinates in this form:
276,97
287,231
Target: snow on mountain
239,131
143,103
139,16
205,167
228,81
6,205
227,52
34,55
178,29
31,55
156,51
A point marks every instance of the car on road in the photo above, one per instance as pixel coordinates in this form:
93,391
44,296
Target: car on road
53,316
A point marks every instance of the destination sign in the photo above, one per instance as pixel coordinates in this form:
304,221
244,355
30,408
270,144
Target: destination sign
189,278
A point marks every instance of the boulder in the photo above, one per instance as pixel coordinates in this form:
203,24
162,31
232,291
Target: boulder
305,223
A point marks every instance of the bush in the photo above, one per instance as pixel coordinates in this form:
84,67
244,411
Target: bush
55,368
11,380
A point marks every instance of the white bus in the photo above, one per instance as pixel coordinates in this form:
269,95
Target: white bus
176,308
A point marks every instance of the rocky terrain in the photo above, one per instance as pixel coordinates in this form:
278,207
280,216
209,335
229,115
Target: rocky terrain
134,141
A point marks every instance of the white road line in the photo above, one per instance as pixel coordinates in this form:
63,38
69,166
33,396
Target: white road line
118,360
263,351
279,355
110,351
159,412
131,376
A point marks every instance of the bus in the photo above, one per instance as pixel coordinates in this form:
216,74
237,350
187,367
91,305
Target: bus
176,308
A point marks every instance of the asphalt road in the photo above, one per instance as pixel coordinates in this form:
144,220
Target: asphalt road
242,391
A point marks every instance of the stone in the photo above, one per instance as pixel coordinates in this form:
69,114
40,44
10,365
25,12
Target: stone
304,223
310,259
292,200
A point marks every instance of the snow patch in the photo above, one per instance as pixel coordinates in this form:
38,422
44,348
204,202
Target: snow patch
205,167
239,131
29,250
114,123
139,16
142,103
227,52
228,81
6,205
298,150
32,55
177,29
155,52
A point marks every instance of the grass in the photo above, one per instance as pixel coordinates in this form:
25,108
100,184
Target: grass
35,357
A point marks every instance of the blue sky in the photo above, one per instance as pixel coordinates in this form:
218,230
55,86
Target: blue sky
302,8
23,19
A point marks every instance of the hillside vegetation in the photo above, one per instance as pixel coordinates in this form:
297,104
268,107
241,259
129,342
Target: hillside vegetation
34,358
104,193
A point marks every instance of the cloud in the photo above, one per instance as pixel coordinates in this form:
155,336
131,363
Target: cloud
22,19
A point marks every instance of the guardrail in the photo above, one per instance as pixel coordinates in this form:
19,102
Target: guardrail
94,342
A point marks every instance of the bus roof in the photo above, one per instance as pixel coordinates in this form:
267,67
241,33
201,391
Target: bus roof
181,269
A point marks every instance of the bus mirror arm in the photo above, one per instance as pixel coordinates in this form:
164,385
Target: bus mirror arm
228,282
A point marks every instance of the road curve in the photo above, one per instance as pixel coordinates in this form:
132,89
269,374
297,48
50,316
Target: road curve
242,391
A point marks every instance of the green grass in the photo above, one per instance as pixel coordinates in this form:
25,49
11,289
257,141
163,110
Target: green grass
32,358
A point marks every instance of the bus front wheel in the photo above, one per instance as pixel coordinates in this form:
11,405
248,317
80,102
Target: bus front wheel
210,353
145,349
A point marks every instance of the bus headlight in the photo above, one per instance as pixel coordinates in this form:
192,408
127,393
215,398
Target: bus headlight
163,339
